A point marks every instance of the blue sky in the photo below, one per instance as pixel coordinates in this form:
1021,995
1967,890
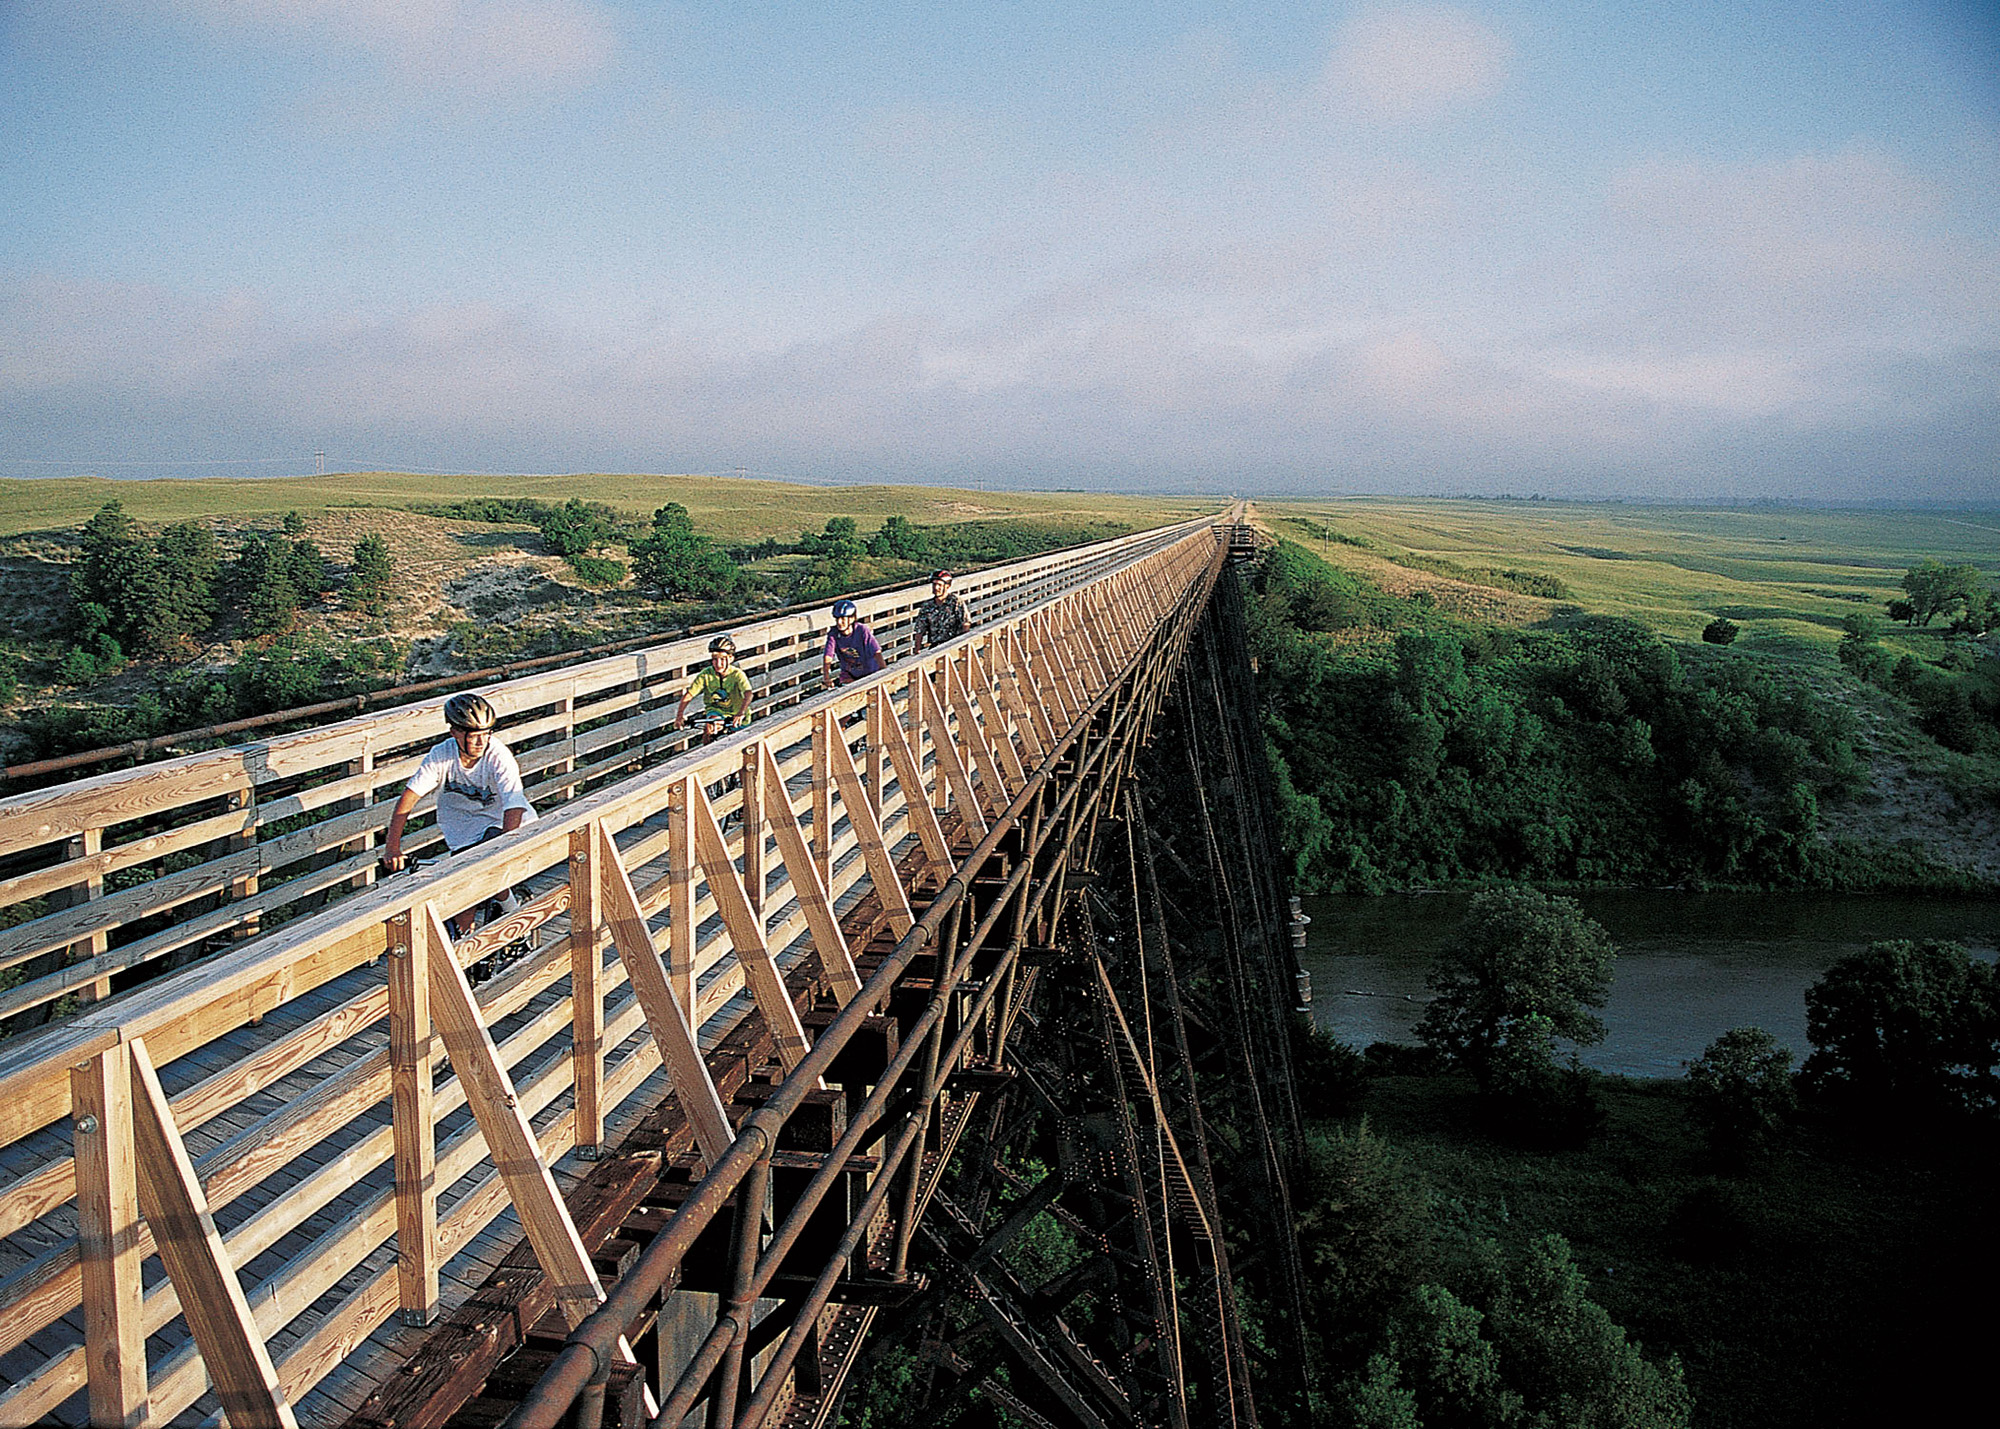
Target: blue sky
1701,250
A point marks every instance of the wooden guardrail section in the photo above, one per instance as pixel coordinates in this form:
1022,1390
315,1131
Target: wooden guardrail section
108,879
272,1123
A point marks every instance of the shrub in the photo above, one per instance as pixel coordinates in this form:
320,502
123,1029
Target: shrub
596,570
677,561
578,527
1719,631
1904,1028
1742,1088
293,524
899,540
368,586
261,578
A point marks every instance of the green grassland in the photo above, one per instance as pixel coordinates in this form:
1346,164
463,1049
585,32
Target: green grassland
728,508
1787,576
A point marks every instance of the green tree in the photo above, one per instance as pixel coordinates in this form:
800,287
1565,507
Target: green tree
119,573
1570,1363
834,551
190,561
1523,969
1742,1087
373,572
578,527
678,561
306,569
1904,611
1937,589
1905,1027
293,524
899,540
261,581
1720,631
1364,1232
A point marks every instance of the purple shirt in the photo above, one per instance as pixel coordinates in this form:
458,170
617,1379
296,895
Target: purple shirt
856,654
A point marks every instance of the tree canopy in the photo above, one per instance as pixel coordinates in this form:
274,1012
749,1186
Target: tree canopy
1937,589
1523,968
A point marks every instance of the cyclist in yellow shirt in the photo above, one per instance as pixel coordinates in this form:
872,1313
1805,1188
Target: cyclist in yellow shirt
724,691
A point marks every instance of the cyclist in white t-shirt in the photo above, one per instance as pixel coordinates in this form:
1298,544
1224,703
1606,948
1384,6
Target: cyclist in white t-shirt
478,784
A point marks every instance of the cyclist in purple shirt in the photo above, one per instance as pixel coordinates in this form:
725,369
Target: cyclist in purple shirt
851,647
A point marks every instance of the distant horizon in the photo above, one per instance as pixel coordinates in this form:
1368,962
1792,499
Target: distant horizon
1990,506
1716,251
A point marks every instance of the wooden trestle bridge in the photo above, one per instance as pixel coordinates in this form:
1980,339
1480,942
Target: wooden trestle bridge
273,1157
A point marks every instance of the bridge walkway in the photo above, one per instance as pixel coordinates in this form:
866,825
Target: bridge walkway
294,1076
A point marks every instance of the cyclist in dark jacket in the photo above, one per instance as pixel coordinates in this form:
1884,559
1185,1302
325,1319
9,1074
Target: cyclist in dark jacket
943,617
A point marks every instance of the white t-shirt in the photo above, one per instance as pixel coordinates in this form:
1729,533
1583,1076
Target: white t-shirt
471,801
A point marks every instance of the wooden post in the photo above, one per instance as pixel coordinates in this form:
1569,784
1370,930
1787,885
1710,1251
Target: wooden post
89,844
825,729
878,715
944,747
107,1237
680,890
760,970
412,1058
244,887
992,779
754,793
910,776
212,1299
364,765
586,988
867,823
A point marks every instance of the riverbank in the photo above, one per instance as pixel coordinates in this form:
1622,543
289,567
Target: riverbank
1824,1285
1690,967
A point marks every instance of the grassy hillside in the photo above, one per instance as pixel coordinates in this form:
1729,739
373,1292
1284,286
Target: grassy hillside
1926,785
1787,577
730,508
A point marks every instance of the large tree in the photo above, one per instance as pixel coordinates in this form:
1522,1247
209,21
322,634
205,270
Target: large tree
677,560
1905,1027
1523,969
1936,589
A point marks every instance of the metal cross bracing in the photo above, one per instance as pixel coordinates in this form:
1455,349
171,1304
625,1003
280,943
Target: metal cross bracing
1165,973
268,1180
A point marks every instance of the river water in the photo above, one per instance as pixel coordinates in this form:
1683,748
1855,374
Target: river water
1690,965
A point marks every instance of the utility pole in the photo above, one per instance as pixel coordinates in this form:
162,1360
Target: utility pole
319,459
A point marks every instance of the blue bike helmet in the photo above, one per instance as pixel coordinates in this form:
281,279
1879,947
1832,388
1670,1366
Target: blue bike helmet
843,608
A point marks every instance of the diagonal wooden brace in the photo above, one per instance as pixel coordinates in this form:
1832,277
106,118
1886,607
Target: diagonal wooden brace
746,932
680,1052
509,1138
834,958
212,1299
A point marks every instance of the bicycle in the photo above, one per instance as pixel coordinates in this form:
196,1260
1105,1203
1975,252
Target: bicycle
484,914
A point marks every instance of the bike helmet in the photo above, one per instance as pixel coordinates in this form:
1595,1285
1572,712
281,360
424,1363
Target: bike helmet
469,712
844,608
723,643
937,576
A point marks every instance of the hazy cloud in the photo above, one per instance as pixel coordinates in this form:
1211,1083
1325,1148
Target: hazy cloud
1411,63
485,47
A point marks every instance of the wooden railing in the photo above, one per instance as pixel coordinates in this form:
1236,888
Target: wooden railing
273,1118
107,879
